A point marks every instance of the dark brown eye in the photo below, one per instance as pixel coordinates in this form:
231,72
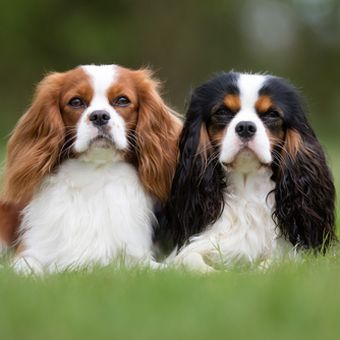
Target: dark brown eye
273,114
121,101
221,117
222,111
76,103
272,118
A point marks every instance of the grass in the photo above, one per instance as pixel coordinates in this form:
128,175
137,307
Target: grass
289,301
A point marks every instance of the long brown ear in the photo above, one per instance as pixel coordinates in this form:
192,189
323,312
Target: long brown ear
157,133
9,222
35,144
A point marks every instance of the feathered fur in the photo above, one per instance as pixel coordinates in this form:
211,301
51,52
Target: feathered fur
89,160
303,194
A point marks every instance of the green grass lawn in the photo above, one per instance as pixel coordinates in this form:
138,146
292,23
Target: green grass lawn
289,301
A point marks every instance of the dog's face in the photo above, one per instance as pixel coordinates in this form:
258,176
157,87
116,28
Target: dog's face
254,120
248,118
102,106
98,105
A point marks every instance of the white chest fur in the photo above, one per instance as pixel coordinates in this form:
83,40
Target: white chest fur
88,213
245,231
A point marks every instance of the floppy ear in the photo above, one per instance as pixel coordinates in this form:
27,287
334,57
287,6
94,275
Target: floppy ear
34,147
304,192
157,133
9,222
196,198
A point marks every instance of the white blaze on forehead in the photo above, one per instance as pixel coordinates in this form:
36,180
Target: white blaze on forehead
249,86
101,77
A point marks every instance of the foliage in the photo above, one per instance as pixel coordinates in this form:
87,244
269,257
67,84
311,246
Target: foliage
185,41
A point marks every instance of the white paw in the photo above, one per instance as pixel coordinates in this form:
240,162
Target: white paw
195,262
157,265
265,264
27,266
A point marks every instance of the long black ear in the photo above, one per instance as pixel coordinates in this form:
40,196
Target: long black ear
196,198
304,193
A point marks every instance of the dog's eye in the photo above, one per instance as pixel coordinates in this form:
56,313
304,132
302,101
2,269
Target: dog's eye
76,103
221,117
271,117
121,101
272,114
222,111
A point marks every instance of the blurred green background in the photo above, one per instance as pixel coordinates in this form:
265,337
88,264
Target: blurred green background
184,41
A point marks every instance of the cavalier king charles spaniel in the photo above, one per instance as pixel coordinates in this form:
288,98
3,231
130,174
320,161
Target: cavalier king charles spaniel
252,182
90,159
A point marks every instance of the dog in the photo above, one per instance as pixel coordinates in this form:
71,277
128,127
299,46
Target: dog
252,183
89,161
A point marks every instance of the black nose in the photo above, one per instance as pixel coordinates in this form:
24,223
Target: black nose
99,118
245,129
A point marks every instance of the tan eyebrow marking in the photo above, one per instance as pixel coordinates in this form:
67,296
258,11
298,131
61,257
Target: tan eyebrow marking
233,102
263,104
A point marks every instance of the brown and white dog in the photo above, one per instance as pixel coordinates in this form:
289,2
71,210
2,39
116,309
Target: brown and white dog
90,159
